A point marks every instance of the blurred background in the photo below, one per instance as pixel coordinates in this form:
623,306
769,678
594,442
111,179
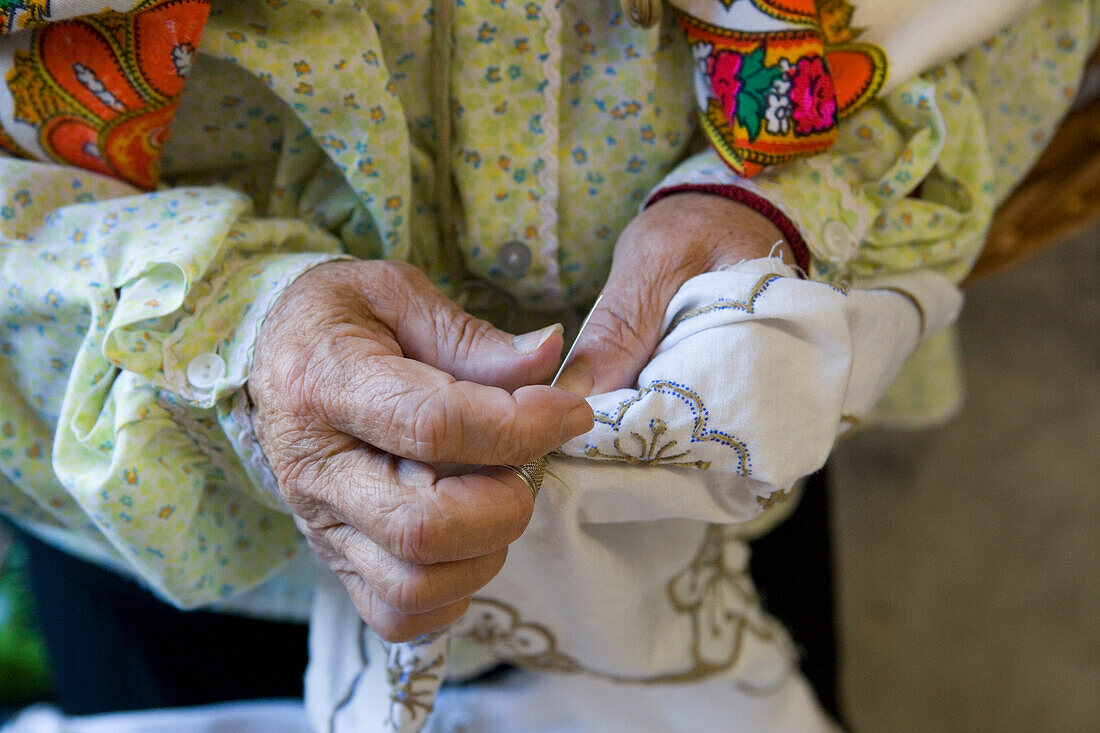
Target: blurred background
969,581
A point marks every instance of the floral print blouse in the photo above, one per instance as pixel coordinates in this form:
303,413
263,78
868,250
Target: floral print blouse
147,225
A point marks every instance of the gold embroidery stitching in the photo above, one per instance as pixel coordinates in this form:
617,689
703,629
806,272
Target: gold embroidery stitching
700,590
772,499
649,454
498,626
404,676
703,589
748,305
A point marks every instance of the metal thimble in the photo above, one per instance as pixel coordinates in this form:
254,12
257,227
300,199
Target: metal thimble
531,473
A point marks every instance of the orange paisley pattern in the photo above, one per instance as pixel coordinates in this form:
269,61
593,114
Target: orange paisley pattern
798,11
101,89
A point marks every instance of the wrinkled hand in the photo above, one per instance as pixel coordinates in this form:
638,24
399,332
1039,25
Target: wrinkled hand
670,242
364,375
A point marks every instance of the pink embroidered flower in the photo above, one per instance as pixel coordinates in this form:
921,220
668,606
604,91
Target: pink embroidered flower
813,96
722,69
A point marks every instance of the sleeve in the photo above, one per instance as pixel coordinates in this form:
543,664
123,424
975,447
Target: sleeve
128,322
892,217
758,374
913,177
128,314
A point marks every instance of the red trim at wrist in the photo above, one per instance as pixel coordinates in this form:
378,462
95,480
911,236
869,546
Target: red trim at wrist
760,205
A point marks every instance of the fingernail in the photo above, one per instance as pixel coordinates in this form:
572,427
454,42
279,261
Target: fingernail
528,343
577,421
577,378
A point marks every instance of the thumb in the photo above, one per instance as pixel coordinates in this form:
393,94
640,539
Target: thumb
621,334
436,331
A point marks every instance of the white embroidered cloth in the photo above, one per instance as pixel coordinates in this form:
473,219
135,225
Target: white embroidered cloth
634,567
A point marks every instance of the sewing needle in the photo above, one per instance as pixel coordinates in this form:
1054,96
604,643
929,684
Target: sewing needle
577,340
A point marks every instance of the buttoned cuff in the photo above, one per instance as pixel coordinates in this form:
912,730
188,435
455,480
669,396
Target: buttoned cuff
204,361
824,240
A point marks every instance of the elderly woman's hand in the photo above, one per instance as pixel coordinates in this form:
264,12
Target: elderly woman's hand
670,242
364,375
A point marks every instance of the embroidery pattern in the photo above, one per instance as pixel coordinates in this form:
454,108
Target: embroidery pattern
718,593
748,305
652,451
715,589
413,680
499,627
771,96
19,14
798,11
649,453
102,89
772,499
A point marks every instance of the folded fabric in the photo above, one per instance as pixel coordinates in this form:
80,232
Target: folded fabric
634,568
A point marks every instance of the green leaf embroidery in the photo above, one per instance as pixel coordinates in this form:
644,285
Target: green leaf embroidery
756,79
752,64
750,111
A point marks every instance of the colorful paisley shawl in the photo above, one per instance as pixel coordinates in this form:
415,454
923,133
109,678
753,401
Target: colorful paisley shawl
768,96
100,89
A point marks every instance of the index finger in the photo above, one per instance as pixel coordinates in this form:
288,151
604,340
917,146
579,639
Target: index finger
414,410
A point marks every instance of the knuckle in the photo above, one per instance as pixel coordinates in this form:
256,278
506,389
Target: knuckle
293,381
428,426
388,624
436,425
412,591
463,333
296,484
320,546
338,538
395,282
292,363
300,464
418,536
311,381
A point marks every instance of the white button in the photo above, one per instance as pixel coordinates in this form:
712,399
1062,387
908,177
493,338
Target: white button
839,242
205,369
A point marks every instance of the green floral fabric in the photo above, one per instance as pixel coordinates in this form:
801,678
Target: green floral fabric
309,130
